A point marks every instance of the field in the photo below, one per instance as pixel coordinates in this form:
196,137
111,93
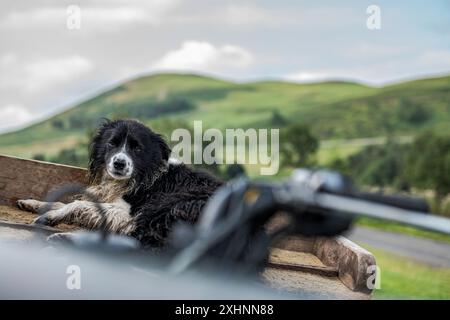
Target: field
344,115
406,279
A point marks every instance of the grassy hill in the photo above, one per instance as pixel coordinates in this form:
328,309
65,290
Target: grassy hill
334,110
403,109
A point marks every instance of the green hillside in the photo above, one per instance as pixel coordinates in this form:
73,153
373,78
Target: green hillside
334,110
404,109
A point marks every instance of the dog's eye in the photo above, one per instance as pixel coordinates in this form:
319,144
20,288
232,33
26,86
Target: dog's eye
135,146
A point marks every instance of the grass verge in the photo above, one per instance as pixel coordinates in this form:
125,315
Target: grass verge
402,278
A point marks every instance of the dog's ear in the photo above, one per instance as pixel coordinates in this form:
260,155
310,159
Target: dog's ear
165,149
96,151
103,124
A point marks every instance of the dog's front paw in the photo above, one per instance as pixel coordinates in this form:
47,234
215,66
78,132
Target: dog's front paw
29,205
45,220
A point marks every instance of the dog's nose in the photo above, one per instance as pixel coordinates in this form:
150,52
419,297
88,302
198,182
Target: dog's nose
119,164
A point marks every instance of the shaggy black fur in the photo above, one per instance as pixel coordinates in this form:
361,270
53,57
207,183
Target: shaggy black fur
159,193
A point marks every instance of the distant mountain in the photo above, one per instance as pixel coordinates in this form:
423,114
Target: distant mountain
332,109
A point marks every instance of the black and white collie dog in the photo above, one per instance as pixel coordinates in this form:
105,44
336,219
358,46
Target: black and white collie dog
141,190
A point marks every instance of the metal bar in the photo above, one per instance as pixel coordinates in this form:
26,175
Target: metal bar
380,211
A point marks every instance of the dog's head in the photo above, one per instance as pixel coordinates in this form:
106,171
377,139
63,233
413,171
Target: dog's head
127,150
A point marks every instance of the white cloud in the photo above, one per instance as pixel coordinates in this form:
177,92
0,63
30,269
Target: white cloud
205,57
103,16
437,58
246,15
357,74
44,74
382,72
376,73
253,16
369,49
38,17
48,17
7,59
307,76
14,116
122,15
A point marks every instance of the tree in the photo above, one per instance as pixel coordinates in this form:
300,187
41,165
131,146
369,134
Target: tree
423,164
377,165
298,146
412,112
277,119
428,164
39,157
57,124
77,121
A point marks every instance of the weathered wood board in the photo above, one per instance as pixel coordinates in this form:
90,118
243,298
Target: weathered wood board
352,264
23,179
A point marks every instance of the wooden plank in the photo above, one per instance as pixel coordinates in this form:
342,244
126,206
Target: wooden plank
23,179
322,271
299,261
296,243
311,286
351,260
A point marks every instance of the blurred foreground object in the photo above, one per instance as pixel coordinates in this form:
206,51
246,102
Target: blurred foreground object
238,236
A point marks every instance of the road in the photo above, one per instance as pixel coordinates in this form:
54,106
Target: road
433,253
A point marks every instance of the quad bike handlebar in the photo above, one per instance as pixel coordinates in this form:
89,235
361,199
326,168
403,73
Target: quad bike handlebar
319,203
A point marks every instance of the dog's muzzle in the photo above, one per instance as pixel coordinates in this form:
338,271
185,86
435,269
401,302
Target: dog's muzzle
120,166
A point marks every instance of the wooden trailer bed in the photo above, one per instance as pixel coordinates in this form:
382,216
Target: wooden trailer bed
333,268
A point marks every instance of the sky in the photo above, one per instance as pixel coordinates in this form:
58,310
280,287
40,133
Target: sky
49,61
